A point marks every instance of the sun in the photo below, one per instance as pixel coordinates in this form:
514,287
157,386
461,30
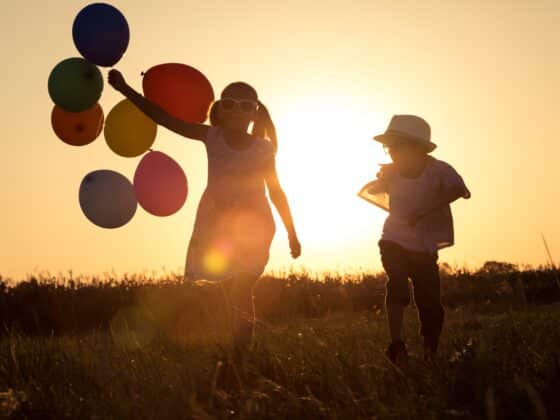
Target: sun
325,155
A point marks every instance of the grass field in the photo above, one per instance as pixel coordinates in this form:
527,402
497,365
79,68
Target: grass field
153,353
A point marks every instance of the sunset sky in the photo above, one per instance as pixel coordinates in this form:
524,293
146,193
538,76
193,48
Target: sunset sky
484,74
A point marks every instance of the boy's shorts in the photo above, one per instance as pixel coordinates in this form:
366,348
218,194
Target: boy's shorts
401,264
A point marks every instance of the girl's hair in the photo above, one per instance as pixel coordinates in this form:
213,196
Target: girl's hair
263,126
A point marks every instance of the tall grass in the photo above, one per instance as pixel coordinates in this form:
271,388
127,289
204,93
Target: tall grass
75,304
154,347
495,366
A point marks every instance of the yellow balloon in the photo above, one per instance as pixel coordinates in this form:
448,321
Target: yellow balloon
128,131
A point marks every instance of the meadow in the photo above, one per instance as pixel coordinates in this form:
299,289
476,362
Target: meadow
153,347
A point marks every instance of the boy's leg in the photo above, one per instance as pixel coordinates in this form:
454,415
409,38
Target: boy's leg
397,297
427,296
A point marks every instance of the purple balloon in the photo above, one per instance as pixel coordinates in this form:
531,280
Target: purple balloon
107,199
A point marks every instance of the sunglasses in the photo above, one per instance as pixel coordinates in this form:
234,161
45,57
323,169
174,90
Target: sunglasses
244,105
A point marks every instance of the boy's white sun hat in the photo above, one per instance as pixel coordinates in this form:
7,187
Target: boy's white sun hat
407,127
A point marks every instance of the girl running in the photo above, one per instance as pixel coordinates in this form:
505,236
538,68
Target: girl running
234,226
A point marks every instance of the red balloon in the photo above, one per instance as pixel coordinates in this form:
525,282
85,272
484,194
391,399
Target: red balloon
160,185
181,90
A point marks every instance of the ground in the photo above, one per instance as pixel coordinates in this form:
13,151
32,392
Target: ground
493,363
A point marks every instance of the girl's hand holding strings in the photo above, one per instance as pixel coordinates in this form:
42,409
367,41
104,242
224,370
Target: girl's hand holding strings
155,111
116,80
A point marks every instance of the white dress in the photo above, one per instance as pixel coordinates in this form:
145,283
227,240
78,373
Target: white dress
234,226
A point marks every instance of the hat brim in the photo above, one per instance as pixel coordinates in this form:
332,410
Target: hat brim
387,139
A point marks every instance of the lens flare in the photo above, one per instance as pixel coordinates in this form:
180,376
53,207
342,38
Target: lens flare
217,258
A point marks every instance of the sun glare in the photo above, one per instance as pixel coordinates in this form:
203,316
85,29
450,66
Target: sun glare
325,155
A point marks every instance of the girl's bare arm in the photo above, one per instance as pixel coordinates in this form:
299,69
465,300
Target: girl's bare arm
278,198
155,112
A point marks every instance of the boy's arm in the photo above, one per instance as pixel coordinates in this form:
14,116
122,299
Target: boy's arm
447,196
375,192
379,185
452,188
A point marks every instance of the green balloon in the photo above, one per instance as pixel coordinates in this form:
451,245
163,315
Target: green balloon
75,84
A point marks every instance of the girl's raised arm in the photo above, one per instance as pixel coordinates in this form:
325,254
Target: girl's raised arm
155,112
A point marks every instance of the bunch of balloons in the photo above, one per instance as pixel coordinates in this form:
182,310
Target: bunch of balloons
107,198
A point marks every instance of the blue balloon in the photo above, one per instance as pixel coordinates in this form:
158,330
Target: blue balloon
101,34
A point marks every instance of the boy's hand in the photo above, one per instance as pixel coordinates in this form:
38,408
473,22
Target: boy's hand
116,80
386,171
295,246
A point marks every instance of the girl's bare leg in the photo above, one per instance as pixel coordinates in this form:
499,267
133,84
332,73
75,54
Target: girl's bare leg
243,310
395,317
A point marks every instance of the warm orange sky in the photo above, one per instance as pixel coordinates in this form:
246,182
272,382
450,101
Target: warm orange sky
485,74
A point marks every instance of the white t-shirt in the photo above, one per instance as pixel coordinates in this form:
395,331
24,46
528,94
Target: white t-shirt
405,197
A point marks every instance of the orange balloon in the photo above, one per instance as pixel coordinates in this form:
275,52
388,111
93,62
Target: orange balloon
181,90
77,128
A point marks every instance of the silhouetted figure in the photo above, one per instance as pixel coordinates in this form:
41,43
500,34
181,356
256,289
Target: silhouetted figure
416,189
234,226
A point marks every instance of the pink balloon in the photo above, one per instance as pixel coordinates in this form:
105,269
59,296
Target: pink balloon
160,184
